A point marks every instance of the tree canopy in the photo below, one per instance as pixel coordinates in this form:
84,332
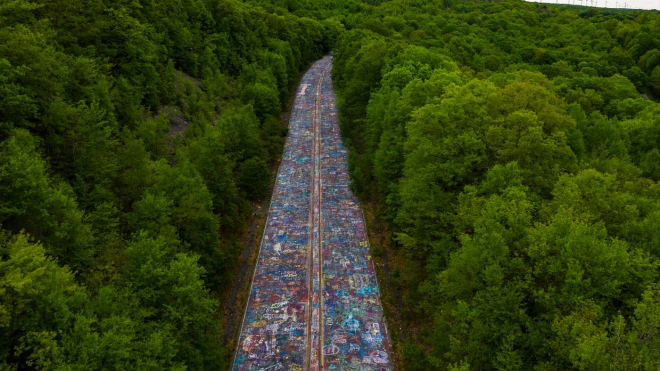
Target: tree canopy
510,151
134,137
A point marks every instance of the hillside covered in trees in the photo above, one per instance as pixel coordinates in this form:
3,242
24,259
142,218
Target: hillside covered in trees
133,137
510,153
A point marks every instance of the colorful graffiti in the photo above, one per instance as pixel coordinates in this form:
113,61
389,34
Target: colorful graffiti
314,302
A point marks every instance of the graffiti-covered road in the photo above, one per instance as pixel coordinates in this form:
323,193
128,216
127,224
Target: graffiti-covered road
314,301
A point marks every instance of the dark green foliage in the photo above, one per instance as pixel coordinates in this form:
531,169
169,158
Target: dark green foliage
253,177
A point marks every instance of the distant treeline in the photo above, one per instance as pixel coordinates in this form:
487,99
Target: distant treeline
133,137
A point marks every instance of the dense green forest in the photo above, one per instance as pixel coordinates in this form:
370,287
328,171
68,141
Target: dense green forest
134,136
512,150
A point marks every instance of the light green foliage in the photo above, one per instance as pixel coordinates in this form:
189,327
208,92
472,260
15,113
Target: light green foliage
215,165
31,202
58,326
192,205
168,282
37,293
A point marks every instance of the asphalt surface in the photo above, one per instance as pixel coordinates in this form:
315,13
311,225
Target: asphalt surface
314,302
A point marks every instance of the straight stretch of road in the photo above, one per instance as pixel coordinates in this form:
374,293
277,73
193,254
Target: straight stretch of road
314,301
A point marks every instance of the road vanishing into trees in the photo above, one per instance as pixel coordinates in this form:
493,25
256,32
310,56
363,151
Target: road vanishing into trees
314,303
